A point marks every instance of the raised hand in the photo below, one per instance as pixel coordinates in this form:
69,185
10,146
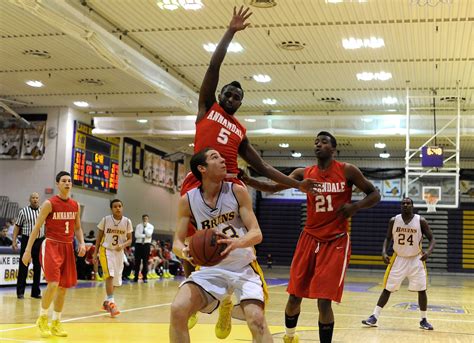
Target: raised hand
238,19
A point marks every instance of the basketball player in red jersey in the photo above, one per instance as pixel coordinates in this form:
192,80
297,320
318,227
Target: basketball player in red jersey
62,217
323,251
218,128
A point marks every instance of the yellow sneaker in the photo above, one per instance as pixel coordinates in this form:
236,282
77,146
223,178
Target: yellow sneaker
294,339
57,329
192,321
42,323
99,278
224,323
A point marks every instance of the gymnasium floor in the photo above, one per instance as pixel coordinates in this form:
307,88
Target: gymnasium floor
145,313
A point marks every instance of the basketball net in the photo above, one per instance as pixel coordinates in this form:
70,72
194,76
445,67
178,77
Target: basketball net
431,202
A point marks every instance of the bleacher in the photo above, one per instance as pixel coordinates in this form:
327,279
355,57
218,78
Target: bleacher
8,210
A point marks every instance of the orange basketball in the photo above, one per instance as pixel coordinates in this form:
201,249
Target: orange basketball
204,249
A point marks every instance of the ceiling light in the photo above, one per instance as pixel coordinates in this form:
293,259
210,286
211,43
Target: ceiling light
384,155
81,104
382,76
296,154
292,45
191,145
269,101
250,120
34,83
37,53
283,145
169,5
334,1
389,100
357,43
233,47
142,121
380,145
392,110
367,120
191,4
262,78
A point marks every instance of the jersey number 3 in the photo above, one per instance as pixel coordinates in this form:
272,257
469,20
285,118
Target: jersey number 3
223,136
324,203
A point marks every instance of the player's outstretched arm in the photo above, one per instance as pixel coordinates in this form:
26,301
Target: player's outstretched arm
79,234
425,229
207,93
254,234
387,240
271,187
184,216
251,156
355,177
45,210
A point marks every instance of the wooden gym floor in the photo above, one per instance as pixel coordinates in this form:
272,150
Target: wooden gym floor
145,313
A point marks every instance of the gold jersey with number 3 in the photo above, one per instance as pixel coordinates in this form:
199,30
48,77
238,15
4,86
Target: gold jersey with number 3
115,231
407,237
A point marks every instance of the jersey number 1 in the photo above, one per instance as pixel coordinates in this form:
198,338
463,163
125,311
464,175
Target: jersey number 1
324,203
223,136
67,228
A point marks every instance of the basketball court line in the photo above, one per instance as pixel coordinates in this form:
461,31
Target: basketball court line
19,340
107,314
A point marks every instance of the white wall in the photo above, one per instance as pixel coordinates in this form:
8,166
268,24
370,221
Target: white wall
19,178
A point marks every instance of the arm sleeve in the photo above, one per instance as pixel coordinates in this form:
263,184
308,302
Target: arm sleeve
149,230
101,225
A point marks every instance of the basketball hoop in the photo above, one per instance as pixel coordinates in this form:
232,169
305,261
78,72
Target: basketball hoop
431,202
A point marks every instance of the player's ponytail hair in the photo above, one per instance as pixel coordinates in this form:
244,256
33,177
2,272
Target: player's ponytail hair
199,159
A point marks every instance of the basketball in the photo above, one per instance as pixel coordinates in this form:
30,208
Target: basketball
203,248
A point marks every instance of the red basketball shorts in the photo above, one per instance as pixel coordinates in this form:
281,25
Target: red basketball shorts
318,268
58,263
191,182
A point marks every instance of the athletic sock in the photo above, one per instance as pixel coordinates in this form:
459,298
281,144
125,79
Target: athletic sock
377,311
290,324
110,298
325,332
56,315
424,314
43,312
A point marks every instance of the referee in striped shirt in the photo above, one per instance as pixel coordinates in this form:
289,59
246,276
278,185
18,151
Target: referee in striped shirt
24,225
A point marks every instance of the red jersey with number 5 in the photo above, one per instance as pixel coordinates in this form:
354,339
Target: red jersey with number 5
222,132
323,221
61,221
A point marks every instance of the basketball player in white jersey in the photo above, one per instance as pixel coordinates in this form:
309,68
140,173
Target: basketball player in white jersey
115,233
226,208
408,260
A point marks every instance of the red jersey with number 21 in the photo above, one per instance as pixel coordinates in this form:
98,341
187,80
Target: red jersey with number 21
61,221
323,221
222,132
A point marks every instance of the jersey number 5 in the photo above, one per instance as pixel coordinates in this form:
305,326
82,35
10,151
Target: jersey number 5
324,203
223,136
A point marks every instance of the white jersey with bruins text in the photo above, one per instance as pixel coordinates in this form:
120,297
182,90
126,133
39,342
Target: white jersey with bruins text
115,231
407,237
224,218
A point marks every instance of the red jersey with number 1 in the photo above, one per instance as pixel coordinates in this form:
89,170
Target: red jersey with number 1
222,132
61,221
323,222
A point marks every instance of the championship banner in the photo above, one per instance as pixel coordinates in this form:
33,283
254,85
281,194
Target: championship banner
10,140
33,143
9,270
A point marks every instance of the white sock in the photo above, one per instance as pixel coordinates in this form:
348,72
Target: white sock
43,312
290,332
377,311
424,314
110,299
56,315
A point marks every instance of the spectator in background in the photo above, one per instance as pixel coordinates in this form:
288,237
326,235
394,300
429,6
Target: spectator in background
143,233
269,261
4,240
128,263
10,228
166,259
90,238
24,227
